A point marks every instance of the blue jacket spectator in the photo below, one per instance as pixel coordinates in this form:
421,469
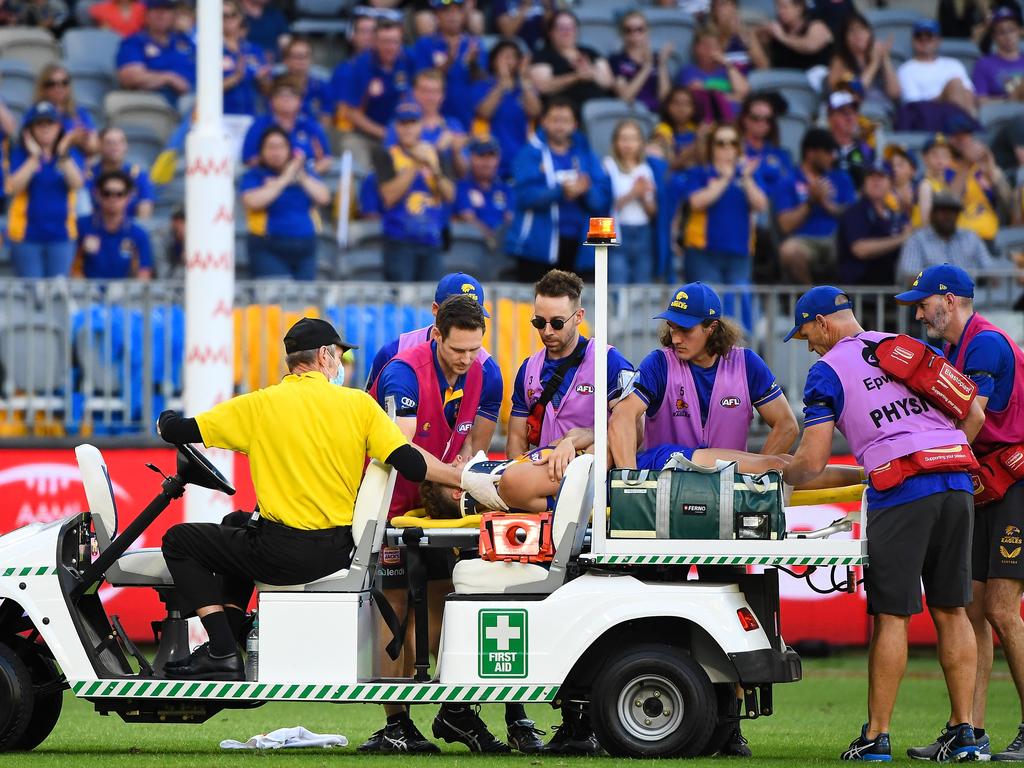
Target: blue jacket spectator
266,25
558,183
158,58
53,84
113,149
305,135
377,82
111,246
244,64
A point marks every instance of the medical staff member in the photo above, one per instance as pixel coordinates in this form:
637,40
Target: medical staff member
944,300
437,390
111,246
700,388
551,413
307,441
918,529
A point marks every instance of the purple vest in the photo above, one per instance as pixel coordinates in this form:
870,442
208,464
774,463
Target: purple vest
576,408
677,419
882,419
412,338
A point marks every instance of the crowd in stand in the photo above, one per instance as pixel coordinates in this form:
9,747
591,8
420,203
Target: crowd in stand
461,111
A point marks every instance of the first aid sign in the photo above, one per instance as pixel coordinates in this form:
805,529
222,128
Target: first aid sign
502,643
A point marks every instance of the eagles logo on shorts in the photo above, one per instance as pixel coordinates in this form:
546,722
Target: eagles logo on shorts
1011,543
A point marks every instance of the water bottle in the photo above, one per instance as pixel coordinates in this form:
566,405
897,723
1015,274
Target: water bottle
252,650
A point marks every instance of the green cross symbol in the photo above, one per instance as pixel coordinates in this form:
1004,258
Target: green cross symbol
502,643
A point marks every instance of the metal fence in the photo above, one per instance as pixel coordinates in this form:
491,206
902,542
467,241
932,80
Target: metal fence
83,358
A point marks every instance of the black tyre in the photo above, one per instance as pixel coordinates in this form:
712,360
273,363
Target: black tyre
728,717
16,698
46,708
653,700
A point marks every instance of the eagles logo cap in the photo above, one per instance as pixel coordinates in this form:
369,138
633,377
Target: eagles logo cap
692,304
460,284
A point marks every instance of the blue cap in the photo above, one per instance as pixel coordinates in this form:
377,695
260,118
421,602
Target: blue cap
41,110
160,3
692,304
445,3
820,300
939,279
484,145
460,284
926,25
408,111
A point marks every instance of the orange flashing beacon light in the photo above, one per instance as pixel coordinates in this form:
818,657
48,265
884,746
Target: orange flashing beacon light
601,232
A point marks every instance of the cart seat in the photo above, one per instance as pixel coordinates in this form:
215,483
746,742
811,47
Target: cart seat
569,525
369,522
140,568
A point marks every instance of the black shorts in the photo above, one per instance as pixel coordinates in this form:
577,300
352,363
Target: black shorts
925,540
998,551
392,572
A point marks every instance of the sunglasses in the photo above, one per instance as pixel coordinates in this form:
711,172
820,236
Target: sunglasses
634,30
727,142
759,118
56,83
116,193
556,323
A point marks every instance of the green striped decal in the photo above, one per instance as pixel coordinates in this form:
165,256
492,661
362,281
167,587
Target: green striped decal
410,692
30,571
726,560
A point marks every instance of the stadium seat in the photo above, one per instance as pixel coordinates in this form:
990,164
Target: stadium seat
794,86
327,255
469,251
670,25
143,146
791,132
966,51
17,81
91,50
25,34
896,24
36,53
1008,240
912,141
33,365
600,116
143,109
363,259
325,9
993,115
599,31
82,12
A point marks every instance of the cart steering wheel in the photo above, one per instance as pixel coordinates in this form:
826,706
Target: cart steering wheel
194,468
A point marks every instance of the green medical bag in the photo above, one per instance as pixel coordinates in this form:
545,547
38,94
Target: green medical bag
686,501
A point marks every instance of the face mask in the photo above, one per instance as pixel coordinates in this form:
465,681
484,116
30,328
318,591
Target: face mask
339,377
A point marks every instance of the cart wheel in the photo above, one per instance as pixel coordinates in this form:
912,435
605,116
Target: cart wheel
653,701
46,708
16,698
728,717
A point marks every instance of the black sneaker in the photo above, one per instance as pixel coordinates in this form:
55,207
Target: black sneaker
573,739
863,748
400,736
1014,752
523,736
956,742
464,725
736,746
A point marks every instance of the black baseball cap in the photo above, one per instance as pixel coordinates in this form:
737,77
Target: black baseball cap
313,333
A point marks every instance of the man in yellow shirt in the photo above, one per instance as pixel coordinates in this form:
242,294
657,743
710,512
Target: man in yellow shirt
307,442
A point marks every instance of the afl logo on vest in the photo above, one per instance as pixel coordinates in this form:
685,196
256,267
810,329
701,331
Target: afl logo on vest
730,402
585,389
464,427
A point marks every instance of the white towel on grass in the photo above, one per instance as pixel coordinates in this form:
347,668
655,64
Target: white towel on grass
287,738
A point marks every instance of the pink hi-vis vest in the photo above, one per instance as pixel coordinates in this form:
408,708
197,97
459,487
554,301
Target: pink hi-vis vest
1005,427
432,431
412,338
882,419
678,420
576,409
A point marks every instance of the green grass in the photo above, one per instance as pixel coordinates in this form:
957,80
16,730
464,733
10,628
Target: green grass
815,720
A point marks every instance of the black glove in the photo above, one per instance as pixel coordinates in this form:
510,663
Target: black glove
176,429
163,420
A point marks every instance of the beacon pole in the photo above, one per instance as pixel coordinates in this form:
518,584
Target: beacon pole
601,235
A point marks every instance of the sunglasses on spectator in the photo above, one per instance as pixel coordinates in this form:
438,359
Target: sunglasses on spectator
55,83
115,193
556,323
759,118
923,35
727,142
632,30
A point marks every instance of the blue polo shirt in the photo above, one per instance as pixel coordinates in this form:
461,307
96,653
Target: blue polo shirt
819,222
725,226
652,376
81,119
177,55
377,91
243,99
370,203
431,134
990,364
432,53
266,30
570,216
861,221
307,135
44,212
490,205
292,214
620,373
509,123
143,192
398,380
823,402
774,167
420,215
112,255
317,100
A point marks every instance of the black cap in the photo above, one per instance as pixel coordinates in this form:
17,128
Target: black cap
947,200
312,333
818,138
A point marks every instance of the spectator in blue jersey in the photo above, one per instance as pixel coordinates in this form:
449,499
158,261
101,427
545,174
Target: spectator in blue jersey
305,135
445,134
53,84
158,58
524,19
482,198
415,193
714,79
854,154
460,56
370,206
244,64
45,173
507,101
558,184
634,205
317,103
267,25
112,157
281,195
808,208
759,129
111,246
676,138
641,74
378,80
871,233
360,37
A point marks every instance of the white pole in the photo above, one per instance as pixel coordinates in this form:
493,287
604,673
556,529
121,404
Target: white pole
344,198
210,254
598,519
